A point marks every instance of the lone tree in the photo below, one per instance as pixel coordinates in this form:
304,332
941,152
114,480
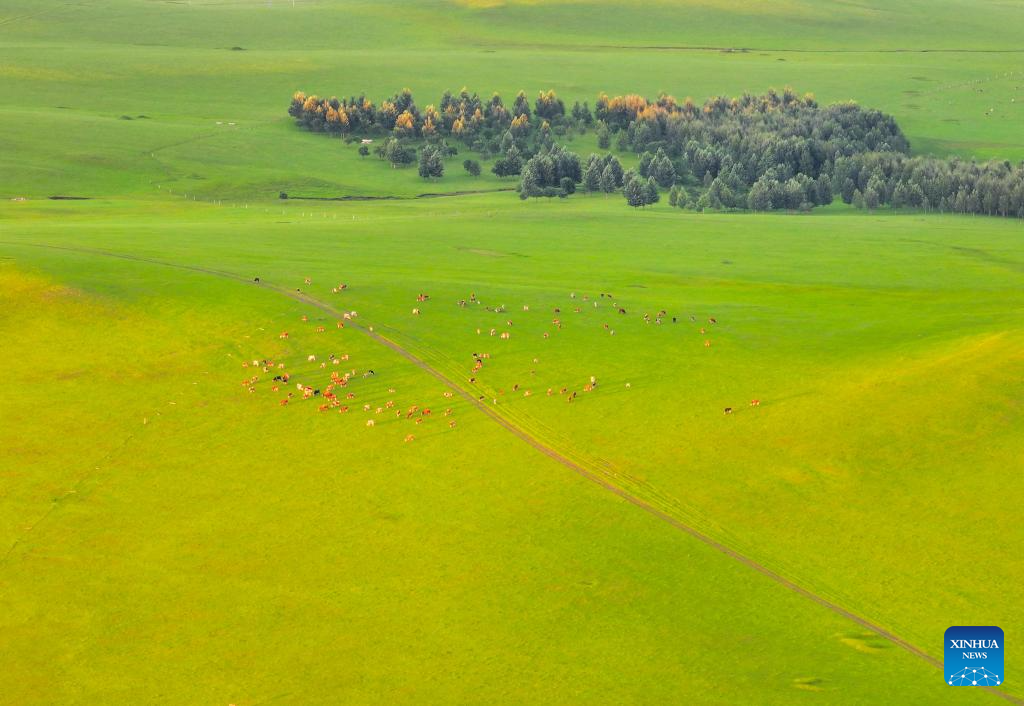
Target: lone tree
635,191
431,162
472,167
592,175
509,165
607,182
398,154
651,194
662,169
363,150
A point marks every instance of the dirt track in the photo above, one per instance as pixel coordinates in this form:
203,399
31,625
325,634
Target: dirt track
543,448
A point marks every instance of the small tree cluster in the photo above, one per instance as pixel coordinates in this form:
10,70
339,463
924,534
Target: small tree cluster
431,162
658,166
553,171
994,188
603,173
509,165
638,191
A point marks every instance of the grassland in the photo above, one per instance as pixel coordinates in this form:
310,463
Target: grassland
168,537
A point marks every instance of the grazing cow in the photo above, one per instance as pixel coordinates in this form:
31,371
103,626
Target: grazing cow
628,385
370,422
409,438
425,412
283,403
451,424
621,310
256,280
284,334
305,318
712,321
728,410
755,403
707,344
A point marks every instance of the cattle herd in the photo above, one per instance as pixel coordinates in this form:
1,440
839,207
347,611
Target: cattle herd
339,386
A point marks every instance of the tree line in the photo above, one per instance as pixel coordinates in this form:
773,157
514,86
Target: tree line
769,152
479,123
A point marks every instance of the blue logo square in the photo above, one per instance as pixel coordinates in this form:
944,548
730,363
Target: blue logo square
974,656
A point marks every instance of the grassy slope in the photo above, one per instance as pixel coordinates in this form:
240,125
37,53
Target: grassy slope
228,550
861,367
233,539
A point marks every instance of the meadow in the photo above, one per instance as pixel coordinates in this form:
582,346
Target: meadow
167,536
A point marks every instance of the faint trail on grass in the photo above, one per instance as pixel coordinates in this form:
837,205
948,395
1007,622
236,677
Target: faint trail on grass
427,195
563,459
55,503
768,50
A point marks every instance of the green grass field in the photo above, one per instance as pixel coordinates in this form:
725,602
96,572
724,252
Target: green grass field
167,536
